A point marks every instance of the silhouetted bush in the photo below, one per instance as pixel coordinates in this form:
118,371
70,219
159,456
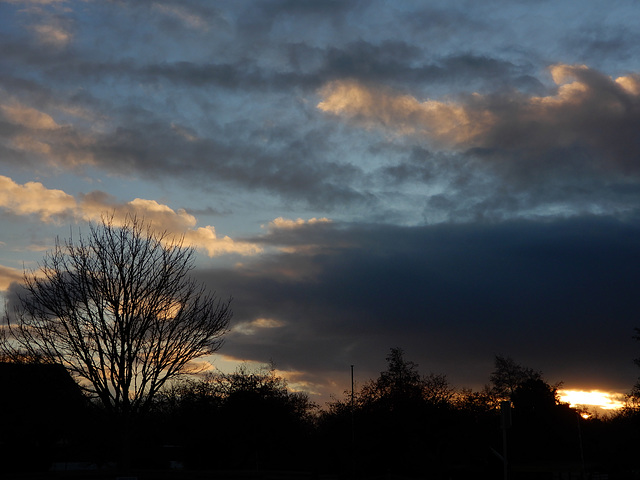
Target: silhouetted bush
248,418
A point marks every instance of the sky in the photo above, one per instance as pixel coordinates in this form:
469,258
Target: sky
460,179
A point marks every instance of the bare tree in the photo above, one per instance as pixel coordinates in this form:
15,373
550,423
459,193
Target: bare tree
120,311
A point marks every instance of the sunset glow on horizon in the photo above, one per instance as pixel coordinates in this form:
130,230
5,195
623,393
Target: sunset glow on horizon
598,399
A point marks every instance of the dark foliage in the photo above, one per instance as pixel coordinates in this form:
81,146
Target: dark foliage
508,376
248,418
401,424
43,413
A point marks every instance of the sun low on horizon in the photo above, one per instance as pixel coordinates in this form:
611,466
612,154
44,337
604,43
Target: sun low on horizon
593,401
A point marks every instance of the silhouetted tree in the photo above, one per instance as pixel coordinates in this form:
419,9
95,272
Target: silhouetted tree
634,395
400,382
535,396
543,430
436,390
119,310
399,423
508,375
613,440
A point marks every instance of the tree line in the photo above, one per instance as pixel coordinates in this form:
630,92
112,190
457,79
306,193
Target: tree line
401,423
118,313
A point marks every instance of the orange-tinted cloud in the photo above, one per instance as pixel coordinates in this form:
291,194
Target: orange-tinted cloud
50,205
285,223
53,35
33,198
448,123
9,275
283,233
28,117
587,109
257,325
37,133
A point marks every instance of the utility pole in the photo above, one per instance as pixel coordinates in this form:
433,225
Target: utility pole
351,386
505,413
353,431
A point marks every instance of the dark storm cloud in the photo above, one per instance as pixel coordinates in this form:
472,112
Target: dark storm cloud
589,127
559,295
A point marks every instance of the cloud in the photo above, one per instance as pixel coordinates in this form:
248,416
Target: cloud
50,23
33,198
52,35
8,276
181,12
589,112
28,117
49,205
33,137
271,159
296,235
282,222
446,123
36,2
452,295
257,325
195,126
206,238
221,98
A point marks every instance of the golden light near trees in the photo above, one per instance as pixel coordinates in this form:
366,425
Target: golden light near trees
592,399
